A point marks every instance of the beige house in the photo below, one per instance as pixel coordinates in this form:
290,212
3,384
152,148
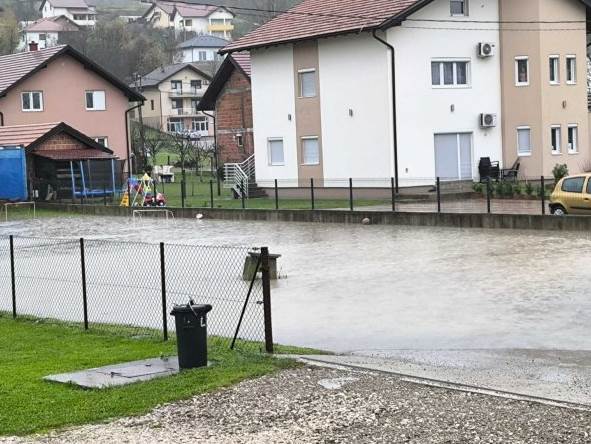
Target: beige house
545,115
172,94
59,84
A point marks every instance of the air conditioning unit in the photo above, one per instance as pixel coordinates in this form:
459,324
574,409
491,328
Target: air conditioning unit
486,49
488,120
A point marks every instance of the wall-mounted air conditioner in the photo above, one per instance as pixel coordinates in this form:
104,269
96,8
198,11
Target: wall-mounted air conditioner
486,49
488,120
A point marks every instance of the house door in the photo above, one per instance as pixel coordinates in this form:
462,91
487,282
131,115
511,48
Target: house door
453,156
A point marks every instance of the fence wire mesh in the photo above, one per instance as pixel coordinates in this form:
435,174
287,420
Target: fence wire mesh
124,292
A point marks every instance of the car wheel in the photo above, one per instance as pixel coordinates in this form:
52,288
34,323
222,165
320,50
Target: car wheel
558,210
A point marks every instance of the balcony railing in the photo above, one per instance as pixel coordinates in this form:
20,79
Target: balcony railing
220,27
186,93
185,112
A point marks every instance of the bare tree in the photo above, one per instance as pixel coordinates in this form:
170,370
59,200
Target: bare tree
9,32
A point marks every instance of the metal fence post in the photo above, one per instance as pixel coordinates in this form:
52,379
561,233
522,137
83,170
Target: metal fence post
488,208
211,193
105,195
543,193
393,190
84,293
276,195
163,286
438,195
267,299
242,192
183,193
312,193
12,276
351,193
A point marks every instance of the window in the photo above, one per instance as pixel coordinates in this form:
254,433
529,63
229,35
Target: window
79,17
310,151
307,79
573,185
177,103
571,70
194,104
188,23
521,71
196,84
554,62
276,156
200,124
176,85
152,104
42,37
524,141
32,101
573,139
202,56
102,140
175,125
458,7
239,140
95,100
555,139
447,74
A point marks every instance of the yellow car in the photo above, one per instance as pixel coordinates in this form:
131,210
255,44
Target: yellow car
572,195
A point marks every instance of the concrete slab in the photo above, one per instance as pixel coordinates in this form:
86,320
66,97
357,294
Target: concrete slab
119,374
561,376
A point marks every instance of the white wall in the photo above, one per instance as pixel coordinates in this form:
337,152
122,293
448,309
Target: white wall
354,73
51,39
423,110
272,101
192,54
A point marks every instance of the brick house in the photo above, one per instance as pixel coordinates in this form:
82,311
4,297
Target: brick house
229,95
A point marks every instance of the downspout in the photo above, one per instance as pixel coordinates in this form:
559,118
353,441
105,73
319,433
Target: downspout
1,118
394,118
215,144
128,136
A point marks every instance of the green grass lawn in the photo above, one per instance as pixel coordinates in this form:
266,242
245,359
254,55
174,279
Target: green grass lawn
24,213
32,349
198,194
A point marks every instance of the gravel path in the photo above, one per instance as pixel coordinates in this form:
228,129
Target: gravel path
321,405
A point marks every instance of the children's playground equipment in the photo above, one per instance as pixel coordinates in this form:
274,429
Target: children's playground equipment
143,193
30,206
83,169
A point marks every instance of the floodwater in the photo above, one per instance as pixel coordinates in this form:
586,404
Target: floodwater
362,288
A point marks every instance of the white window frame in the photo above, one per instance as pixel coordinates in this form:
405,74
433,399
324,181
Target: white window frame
301,73
466,9
93,91
517,60
30,94
519,153
554,68
571,58
239,140
317,139
556,129
455,84
204,54
270,157
106,139
570,148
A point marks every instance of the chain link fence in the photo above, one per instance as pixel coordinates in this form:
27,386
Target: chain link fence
131,287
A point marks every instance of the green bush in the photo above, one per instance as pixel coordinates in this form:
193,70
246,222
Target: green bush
507,189
529,189
518,188
559,171
478,187
497,189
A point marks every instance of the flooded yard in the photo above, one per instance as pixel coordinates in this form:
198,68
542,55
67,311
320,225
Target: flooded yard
363,288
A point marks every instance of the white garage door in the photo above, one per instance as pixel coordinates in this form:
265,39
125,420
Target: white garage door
453,156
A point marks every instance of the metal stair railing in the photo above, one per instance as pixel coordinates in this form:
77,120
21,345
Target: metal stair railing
238,175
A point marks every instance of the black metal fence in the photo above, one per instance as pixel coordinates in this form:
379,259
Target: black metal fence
131,287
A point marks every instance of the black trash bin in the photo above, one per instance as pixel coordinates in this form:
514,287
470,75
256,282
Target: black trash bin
191,334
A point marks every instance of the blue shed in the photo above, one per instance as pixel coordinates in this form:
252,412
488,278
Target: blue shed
13,173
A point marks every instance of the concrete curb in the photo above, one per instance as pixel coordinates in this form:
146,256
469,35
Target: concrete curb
456,220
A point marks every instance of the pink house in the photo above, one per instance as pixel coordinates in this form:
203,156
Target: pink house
60,84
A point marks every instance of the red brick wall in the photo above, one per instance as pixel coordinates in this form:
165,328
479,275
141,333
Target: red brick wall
234,116
60,142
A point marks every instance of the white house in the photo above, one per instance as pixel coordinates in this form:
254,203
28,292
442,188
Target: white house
201,48
323,101
81,12
191,17
46,31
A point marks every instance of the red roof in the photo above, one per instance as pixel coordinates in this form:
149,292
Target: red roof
24,134
53,24
242,59
14,67
189,11
318,18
